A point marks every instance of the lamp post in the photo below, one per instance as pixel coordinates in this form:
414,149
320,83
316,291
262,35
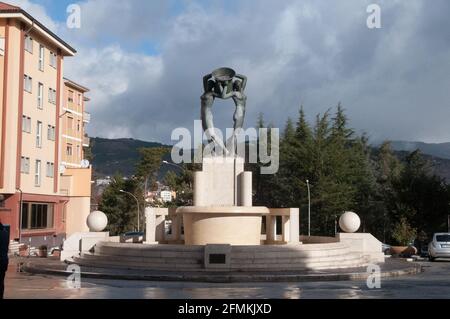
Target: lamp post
137,202
309,208
173,164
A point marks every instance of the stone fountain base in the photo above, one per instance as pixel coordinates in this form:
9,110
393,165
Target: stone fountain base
234,225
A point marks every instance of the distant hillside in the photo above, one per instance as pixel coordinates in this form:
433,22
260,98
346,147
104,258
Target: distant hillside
439,166
111,156
441,150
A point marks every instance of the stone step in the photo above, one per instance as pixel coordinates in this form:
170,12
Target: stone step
158,260
351,260
295,259
236,253
241,260
134,265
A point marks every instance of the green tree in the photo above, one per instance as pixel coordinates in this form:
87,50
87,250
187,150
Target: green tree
148,166
120,208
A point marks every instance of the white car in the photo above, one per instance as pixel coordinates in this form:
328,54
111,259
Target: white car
439,246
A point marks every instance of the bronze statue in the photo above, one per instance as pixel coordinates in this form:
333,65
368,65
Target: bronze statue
223,83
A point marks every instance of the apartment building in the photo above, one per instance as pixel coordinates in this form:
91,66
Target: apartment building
74,120
36,191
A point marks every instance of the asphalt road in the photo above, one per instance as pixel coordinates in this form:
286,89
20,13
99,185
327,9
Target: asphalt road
433,283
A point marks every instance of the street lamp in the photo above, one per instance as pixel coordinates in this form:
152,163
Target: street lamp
309,208
173,164
137,202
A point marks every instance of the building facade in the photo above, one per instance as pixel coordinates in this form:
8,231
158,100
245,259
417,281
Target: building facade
34,199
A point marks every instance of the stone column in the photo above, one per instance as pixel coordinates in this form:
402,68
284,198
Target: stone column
200,183
245,194
286,228
271,225
150,226
160,228
294,225
176,227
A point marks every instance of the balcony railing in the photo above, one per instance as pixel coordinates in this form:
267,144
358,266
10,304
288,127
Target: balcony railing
86,141
86,117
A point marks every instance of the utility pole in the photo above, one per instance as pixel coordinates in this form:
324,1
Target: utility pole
137,203
309,208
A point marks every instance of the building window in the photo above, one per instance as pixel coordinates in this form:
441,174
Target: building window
70,99
29,44
78,151
2,46
37,216
51,96
25,165
50,169
27,83
40,96
26,124
69,150
70,123
51,133
37,174
78,125
53,60
41,57
39,134
79,99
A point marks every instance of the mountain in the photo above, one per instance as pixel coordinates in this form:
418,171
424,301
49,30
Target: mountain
439,166
111,156
441,150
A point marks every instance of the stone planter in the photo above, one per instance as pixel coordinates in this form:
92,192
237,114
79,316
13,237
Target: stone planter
404,251
42,252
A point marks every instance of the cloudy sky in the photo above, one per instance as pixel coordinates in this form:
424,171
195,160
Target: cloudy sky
144,62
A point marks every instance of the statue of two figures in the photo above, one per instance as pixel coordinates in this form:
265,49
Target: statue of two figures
223,83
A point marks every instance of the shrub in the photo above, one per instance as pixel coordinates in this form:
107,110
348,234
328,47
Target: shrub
403,233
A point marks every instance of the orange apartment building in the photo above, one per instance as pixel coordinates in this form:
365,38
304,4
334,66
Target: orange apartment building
44,191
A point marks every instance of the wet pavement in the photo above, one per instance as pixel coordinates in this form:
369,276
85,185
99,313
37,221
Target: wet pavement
433,282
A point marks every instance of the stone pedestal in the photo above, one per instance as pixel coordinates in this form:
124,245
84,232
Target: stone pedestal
81,242
222,211
363,243
155,224
222,182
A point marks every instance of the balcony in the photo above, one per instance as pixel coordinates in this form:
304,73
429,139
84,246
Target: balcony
86,117
86,141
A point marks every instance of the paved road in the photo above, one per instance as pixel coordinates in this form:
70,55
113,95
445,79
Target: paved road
434,282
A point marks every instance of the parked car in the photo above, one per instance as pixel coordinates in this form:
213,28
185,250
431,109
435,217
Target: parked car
424,251
439,246
386,248
134,233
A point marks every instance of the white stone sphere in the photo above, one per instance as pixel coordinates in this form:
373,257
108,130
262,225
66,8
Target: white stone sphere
349,222
97,221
